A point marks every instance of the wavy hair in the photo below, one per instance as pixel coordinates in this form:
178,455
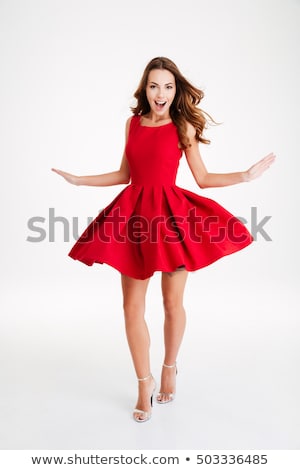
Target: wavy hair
184,106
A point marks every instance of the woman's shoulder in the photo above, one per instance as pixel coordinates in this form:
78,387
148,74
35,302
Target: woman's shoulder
190,130
131,120
130,123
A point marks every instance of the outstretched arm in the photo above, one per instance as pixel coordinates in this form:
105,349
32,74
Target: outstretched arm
121,176
204,179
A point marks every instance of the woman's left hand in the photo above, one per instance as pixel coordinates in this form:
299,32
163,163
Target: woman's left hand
258,168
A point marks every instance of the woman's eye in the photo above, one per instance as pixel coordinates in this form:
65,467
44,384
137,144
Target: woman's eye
169,87
152,86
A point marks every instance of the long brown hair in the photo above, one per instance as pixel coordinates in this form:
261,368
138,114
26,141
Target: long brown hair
184,106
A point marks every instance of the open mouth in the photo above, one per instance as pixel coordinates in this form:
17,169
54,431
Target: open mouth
160,104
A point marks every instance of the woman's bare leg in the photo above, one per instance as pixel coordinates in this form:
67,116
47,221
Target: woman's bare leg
134,293
173,285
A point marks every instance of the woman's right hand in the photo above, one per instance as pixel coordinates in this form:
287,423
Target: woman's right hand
73,179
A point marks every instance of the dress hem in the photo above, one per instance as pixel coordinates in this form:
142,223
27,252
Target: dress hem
167,269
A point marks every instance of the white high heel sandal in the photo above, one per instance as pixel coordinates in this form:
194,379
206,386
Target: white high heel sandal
145,415
169,396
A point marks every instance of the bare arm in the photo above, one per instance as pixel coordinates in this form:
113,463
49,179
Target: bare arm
121,176
204,179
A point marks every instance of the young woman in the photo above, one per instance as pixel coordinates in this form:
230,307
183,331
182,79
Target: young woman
153,225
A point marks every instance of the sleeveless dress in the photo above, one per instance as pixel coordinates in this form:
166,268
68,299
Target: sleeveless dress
154,225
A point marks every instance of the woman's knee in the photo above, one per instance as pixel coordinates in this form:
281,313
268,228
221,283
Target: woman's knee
172,306
133,310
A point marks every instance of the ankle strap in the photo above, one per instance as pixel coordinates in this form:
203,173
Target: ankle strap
170,367
145,378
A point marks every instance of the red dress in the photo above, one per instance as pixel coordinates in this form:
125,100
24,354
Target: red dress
154,225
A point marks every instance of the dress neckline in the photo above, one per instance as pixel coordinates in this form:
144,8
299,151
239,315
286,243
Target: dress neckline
153,127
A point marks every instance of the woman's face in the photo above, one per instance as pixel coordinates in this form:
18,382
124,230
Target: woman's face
160,92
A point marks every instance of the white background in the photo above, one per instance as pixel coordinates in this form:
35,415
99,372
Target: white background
68,73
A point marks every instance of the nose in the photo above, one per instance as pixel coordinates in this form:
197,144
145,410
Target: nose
160,93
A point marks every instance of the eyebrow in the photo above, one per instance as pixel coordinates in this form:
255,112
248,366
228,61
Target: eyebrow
170,83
